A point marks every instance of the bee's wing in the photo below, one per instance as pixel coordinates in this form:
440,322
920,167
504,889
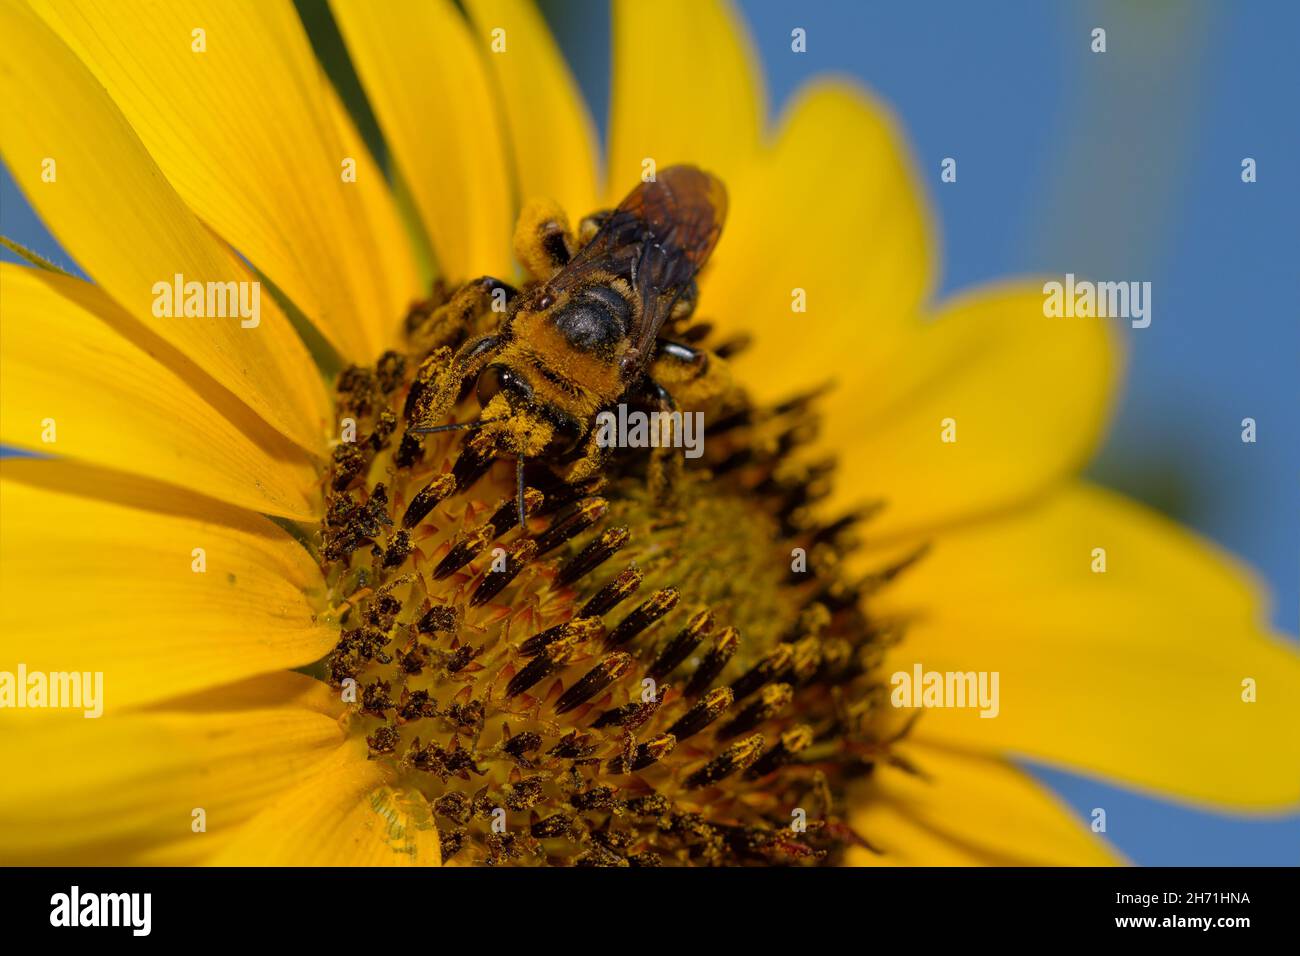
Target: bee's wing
684,210
658,238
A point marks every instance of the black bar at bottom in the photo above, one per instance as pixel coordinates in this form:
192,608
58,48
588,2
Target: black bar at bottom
509,906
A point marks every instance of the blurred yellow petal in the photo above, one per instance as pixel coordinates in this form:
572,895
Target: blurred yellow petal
1026,398
1134,674
124,789
247,131
552,140
383,219
99,586
967,809
346,816
431,93
826,256
904,842
114,212
65,366
685,89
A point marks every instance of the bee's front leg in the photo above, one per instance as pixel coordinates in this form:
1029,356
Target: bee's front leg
443,377
475,308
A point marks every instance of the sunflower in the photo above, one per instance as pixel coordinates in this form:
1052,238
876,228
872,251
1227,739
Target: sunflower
325,637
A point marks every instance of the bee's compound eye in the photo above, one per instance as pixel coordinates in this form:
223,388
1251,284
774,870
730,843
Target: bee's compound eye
498,378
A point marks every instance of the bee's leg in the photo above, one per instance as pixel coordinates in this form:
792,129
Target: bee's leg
693,359
666,460
421,310
590,225
476,307
590,459
679,315
441,379
696,377
543,243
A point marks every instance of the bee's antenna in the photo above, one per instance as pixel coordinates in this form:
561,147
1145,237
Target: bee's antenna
519,490
477,423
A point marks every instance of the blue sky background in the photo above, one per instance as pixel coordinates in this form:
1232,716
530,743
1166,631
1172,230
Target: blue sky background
1124,165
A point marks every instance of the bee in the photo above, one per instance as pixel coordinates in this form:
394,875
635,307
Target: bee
587,334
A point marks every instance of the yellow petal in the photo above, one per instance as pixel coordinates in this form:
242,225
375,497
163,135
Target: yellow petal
552,140
685,89
247,133
431,93
114,212
346,816
1134,674
1026,398
904,842
123,789
64,365
826,255
100,586
968,809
